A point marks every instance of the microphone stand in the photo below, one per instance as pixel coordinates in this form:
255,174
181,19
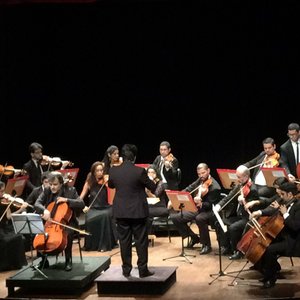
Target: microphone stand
182,254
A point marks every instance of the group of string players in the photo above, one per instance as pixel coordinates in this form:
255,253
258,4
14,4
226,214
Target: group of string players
236,214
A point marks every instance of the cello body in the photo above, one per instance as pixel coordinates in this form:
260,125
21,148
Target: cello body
55,238
254,244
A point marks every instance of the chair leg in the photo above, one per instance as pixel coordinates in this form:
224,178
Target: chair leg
79,245
168,229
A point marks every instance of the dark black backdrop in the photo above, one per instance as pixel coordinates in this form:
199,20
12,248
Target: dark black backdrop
80,77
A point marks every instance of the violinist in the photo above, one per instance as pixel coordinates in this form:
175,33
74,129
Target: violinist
287,242
158,209
33,168
98,212
235,214
206,192
58,193
111,158
167,165
290,151
12,245
268,158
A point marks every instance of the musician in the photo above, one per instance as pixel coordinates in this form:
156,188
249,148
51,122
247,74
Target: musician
236,217
167,165
12,245
111,158
287,242
130,209
268,158
206,192
59,192
290,151
33,168
98,212
158,209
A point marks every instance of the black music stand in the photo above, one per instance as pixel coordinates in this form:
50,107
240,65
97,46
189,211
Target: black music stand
181,201
221,272
31,224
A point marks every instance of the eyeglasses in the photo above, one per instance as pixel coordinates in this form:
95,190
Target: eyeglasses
292,134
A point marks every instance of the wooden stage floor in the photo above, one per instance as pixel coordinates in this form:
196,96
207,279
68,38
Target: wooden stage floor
193,279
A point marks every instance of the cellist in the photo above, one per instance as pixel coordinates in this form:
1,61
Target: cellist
287,242
59,192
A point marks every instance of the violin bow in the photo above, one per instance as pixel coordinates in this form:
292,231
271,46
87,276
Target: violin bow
104,182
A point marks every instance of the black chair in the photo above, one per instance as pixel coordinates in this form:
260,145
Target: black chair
162,223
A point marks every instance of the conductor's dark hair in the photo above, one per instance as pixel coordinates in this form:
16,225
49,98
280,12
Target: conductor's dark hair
129,152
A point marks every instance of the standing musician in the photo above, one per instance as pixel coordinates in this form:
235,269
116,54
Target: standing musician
167,165
287,242
290,151
57,193
206,191
12,247
268,158
236,216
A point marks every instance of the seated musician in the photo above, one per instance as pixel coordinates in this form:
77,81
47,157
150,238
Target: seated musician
158,209
206,193
59,192
268,158
287,242
236,215
12,245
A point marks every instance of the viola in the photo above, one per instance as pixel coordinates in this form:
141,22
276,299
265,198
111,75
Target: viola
15,201
54,161
55,239
169,157
204,187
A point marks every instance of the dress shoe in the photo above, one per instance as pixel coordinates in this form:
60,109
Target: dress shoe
146,274
205,250
236,255
268,284
126,274
224,251
68,266
44,264
193,241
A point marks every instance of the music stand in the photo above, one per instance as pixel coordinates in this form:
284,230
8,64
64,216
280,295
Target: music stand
271,174
228,178
73,173
15,186
181,201
221,272
31,224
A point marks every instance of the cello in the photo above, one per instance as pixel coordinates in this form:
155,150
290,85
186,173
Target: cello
54,240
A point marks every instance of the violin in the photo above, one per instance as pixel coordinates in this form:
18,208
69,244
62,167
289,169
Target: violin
15,201
55,161
10,170
272,161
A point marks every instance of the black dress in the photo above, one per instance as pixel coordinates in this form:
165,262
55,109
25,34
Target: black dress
12,247
99,222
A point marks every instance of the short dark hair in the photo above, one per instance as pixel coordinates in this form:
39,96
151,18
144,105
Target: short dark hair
294,126
34,146
129,152
289,187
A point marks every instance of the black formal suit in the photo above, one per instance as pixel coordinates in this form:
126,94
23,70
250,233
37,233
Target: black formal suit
34,195
130,209
75,203
288,158
34,173
287,243
170,175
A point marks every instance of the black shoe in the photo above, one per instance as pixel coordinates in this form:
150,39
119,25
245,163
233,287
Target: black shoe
205,250
146,274
68,266
126,274
268,284
192,242
236,255
224,251
44,264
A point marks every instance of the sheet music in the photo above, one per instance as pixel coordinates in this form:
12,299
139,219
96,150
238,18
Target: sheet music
223,226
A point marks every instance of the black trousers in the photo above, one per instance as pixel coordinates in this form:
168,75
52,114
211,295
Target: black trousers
136,228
